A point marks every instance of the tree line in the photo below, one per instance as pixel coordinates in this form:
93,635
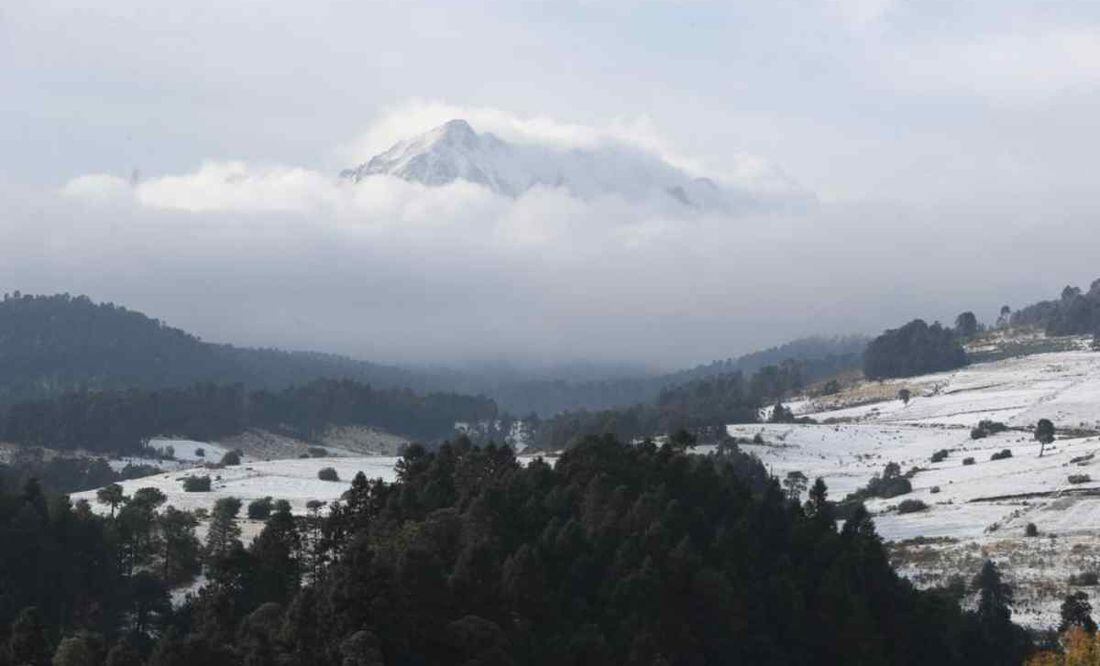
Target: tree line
50,345
54,344
1074,313
122,421
917,349
635,555
704,405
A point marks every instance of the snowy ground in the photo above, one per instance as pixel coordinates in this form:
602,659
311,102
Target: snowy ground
975,511
294,480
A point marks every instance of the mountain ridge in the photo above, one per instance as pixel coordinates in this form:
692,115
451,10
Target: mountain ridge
53,344
454,151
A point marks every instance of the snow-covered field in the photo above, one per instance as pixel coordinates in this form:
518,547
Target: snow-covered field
294,480
978,510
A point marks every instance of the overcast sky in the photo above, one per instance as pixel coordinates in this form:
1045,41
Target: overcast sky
951,146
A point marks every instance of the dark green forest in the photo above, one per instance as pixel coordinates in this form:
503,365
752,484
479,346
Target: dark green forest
617,554
1074,313
50,345
913,349
698,406
122,421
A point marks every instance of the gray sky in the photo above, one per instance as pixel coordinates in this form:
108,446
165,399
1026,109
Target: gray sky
951,145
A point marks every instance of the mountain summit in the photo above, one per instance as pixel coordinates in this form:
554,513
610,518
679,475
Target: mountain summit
455,151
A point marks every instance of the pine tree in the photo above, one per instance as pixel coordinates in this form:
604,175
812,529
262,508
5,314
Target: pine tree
180,545
276,551
1008,642
1044,434
818,504
1077,612
111,495
224,532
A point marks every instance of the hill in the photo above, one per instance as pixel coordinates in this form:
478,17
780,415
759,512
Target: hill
968,499
53,344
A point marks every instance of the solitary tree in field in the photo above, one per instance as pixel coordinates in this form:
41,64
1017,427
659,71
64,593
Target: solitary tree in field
1044,433
904,395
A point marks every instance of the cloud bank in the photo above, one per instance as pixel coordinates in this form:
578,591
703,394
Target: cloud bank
394,271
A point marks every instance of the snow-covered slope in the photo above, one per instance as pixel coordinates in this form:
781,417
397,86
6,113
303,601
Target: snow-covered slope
294,480
977,510
455,151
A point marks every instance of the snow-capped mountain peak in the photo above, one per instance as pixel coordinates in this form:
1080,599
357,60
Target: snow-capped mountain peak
455,151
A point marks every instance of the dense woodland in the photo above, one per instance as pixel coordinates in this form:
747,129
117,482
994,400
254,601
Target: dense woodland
818,358
122,421
629,555
50,345
1075,313
914,349
698,406
58,474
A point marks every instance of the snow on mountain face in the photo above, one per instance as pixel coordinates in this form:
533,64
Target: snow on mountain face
454,151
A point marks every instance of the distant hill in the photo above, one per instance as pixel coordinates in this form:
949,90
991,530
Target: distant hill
818,358
53,344
821,357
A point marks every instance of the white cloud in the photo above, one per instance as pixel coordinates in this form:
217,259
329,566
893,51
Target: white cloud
1002,65
861,14
392,270
236,186
99,187
625,160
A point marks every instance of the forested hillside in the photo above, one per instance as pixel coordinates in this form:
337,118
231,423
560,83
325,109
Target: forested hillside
122,421
53,344
699,406
913,349
818,357
1074,313
50,345
625,555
